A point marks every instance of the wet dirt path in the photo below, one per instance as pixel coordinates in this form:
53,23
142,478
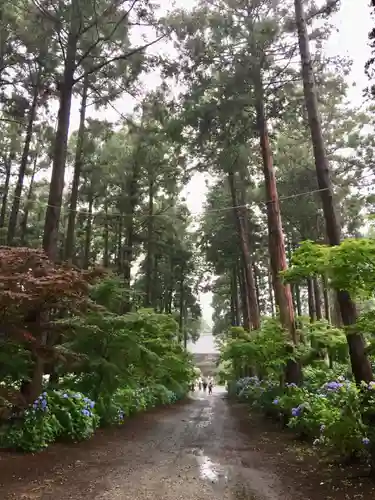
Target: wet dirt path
188,452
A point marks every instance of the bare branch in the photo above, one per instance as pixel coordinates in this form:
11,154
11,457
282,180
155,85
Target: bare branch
104,38
122,57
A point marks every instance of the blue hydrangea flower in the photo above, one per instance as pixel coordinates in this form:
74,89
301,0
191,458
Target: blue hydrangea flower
296,412
333,386
366,441
275,401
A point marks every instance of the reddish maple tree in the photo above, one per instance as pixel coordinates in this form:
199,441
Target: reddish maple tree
34,293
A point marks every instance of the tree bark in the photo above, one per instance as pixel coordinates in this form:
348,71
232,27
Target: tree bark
25,217
244,299
106,236
361,366
78,163
275,230
12,225
297,292
234,298
149,255
318,299
4,201
181,308
256,283
129,230
270,293
327,310
241,224
52,220
293,371
88,231
119,249
311,300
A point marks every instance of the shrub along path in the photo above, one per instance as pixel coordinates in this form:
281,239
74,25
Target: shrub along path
206,449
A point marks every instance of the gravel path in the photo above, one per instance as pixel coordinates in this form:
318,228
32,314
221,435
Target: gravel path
189,452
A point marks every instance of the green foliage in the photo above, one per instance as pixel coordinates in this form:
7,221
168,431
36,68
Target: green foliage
72,416
119,364
267,350
349,266
335,414
53,415
264,348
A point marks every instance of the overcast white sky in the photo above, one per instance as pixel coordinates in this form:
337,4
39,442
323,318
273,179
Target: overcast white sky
353,23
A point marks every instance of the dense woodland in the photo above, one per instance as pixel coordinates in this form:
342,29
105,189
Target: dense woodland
102,263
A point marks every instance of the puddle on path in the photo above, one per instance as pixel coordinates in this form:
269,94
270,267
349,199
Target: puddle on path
209,470
244,483
205,417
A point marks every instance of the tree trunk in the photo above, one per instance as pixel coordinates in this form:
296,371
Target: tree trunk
236,321
23,223
4,201
270,293
327,310
181,308
289,246
12,225
311,300
256,283
169,289
51,225
244,299
275,230
119,249
106,237
232,311
149,255
78,163
297,292
361,366
88,231
318,299
241,224
129,230
155,297
293,372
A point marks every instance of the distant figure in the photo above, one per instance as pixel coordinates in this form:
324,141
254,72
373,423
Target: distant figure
200,384
210,386
192,387
205,384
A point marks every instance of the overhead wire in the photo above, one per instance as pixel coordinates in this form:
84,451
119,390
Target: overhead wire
190,214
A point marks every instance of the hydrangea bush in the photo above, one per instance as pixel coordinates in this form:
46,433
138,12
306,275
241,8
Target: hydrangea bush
70,415
336,415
